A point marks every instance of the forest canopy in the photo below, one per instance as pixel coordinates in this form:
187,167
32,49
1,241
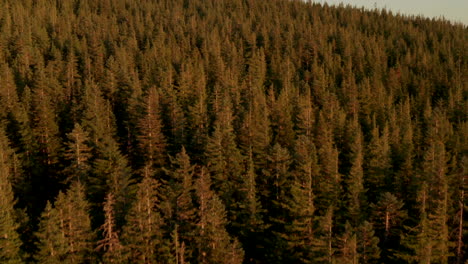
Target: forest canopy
230,131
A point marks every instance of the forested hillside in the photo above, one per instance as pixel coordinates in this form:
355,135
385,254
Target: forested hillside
230,131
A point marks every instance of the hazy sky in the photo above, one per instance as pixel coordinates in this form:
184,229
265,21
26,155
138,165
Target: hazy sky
454,10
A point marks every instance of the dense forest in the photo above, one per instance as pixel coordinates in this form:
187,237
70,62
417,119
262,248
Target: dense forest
230,131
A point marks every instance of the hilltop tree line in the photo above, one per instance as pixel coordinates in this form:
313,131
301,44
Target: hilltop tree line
230,131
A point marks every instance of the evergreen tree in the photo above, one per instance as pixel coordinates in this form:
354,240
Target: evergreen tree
306,115
251,222
301,233
151,140
301,113
78,153
174,118
45,128
281,117
255,132
388,213
8,94
110,243
354,182
377,164
53,246
142,234
368,247
111,174
224,162
330,179
348,249
177,206
65,233
10,241
213,241
324,245
418,239
275,193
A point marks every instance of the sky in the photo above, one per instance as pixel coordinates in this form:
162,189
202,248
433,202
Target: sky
454,10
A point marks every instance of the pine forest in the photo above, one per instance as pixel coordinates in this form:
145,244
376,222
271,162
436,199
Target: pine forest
231,131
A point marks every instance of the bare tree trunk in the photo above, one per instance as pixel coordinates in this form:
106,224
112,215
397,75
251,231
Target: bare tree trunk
387,225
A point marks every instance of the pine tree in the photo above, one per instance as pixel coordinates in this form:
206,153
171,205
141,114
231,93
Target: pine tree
213,241
255,131
430,240
224,162
275,191
368,247
111,174
251,222
418,239
71,77
388,212
435,169
53,246
151,140
8,94
10,241
281,117
252,206
177,206
45,127
403,148
78,153
377,163
142,234
301,232
98,118
110,243
323,246
348,246
306,115
354,182
192,94
330,180
65,230
174,118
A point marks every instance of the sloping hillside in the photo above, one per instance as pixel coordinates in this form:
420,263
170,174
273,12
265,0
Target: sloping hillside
230,131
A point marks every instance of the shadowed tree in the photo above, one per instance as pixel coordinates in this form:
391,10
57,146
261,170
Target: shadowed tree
367,244
300,234
65,230
323,247
377,164
330,180
151,139
224,162
177,205
142,233
110,243
348,253
355,182
10,242
388,213
78,153
213,241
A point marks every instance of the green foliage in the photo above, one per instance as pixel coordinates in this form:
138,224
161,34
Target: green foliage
142,233
110,243
177,206
213,241
78,154
65,233
326,134
10,241
152,143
